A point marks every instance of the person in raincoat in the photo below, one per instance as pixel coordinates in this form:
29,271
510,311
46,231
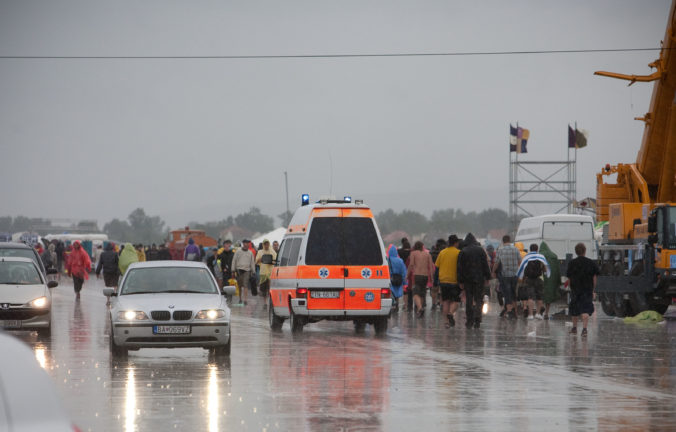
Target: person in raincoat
397,267
79,266
127,257
553,281
265,259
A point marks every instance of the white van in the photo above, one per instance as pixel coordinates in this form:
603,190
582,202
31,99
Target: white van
561,232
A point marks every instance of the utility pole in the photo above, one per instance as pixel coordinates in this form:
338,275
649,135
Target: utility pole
286,183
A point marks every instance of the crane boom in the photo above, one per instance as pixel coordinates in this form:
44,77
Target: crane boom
652,178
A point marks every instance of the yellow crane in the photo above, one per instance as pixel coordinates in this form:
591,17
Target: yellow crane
638,253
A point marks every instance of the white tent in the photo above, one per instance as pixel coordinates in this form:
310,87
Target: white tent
275,235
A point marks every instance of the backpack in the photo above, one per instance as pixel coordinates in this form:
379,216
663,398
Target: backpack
533,269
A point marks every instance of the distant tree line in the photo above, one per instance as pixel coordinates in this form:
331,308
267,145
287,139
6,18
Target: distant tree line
443,222
142,228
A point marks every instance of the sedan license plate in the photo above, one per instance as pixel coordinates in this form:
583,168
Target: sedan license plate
167,329
10,324
325,294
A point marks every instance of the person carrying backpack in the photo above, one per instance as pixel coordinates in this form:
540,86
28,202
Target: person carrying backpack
533,267
397,275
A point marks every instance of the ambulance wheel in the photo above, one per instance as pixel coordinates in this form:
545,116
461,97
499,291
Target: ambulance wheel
380,325
607,304
297,323
275,321
359,326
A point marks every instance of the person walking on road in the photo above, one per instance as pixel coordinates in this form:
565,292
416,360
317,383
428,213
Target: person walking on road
473,276
553,282
421,267
265,258
582,273
79,265
243,266
447,265
192,251
531,270
508,259
109,263
397,274
127,257
225,258
50,260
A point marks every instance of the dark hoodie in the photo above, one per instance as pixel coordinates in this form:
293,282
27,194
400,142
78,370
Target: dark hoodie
473,262
108,262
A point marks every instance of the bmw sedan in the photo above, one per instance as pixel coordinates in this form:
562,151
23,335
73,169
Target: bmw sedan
25,300
169,304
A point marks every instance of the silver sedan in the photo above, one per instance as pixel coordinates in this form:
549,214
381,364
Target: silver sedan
169,304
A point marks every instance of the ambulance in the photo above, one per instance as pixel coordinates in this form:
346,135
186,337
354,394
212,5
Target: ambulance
331,266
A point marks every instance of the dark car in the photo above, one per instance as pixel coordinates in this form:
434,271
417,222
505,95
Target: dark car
11,249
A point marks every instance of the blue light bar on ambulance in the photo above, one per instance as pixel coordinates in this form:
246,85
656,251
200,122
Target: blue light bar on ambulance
305,199
347,199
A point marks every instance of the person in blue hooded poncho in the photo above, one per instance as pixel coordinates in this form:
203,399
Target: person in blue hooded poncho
397,267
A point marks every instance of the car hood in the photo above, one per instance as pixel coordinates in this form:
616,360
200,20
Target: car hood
179,301
20,294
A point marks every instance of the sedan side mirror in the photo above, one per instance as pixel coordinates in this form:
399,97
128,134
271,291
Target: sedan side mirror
109,292
52,284
229,290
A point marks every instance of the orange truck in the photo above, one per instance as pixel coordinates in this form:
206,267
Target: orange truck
638,252
178,240
331,266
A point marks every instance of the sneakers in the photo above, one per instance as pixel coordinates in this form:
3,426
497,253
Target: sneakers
504,311
539,316
525,313
530,317
451,320
584,333
573,330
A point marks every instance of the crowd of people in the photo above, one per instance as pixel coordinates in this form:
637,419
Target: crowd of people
455,271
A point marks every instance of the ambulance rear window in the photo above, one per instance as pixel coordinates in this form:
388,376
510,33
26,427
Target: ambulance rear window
343,241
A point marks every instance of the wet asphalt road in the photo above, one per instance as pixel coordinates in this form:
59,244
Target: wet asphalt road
524,375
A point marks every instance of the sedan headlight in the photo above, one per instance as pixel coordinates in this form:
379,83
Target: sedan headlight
210,314
131,315
39,302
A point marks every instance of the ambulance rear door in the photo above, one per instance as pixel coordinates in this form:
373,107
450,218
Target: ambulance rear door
323,271
364,259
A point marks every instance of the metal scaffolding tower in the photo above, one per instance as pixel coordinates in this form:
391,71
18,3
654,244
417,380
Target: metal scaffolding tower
538,187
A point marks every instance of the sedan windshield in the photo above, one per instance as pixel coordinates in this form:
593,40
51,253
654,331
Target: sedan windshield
19,273
168,280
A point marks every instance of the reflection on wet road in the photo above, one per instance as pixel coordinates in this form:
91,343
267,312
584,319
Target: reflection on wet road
506,376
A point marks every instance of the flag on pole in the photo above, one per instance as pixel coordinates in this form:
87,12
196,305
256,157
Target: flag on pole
518,139
577,138
523,135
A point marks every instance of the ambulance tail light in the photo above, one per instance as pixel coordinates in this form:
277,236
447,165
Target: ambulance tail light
301,292
384,293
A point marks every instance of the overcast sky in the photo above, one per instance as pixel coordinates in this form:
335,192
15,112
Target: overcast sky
200,139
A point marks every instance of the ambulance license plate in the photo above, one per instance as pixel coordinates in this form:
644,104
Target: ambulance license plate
325,294
10,324
179,329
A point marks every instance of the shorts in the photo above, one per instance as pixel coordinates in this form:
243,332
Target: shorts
509,288
243,277
450,292
110,279
420,285
581,304
535,288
